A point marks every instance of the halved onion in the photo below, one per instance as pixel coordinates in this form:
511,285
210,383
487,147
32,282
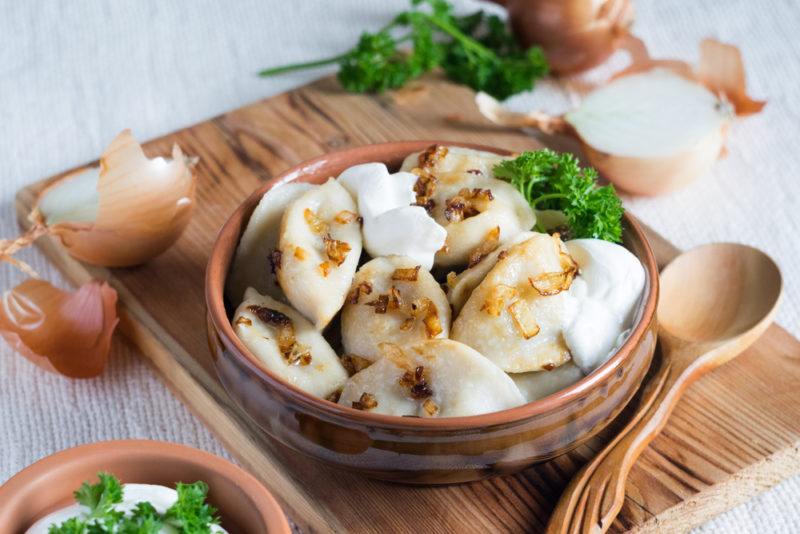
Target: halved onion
656,126
124,212
62,332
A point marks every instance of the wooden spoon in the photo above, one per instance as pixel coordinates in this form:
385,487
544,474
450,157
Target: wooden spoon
715,301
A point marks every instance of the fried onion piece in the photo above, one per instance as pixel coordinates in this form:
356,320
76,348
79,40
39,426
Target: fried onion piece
406,275
416,382
367,401
317,225
467,203
430,408
523,319
363,288
293,353
335,250
487,246
425,309
353,363
497,298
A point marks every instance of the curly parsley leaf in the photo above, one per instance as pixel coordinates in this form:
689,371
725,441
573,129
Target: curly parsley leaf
552,181
191,513
477,50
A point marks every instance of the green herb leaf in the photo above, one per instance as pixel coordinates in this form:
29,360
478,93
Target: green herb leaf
100,497
552,181
191,513
477,50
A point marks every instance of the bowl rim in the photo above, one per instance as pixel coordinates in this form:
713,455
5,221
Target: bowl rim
218,266
267,506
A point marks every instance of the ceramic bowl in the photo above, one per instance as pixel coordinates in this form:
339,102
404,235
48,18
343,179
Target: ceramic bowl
420,450
245,506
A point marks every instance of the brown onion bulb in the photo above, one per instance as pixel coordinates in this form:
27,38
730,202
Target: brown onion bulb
575,35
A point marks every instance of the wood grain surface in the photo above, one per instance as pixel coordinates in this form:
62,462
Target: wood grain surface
735,432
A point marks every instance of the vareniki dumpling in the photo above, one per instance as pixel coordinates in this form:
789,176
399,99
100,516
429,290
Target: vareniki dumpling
320,245
458,188
461,286
433,378
287,344
537,385
392,300
516,315
255,262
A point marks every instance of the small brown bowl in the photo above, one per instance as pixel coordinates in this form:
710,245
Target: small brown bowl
420,450
245,506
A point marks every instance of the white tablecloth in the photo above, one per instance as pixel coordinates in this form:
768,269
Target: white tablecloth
73,74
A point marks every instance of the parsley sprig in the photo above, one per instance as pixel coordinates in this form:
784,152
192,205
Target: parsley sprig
476,50
552,181
189,515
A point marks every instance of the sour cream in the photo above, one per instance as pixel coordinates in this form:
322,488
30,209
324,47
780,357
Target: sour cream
607,290
161,497
391,224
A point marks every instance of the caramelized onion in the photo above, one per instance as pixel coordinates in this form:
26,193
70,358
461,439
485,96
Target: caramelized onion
62,332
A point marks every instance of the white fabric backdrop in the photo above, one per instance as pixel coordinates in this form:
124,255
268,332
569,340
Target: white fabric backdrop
73,74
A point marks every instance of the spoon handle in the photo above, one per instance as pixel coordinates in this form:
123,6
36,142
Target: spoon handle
596,493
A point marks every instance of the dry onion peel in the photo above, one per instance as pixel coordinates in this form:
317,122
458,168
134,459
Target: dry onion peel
63,332
575,35
656,126
124,212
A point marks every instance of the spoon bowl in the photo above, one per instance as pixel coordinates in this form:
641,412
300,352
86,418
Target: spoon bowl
715,301
717,291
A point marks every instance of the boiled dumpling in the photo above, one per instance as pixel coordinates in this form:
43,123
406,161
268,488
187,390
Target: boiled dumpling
434,378
537,385
287,344
516,315
254,263
477,210
392,300
320,244
461,286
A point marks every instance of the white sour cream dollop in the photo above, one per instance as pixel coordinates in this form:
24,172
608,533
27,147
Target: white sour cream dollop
607,290
392,226
161,497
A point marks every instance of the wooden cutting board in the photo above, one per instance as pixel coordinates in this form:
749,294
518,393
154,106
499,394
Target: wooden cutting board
735,433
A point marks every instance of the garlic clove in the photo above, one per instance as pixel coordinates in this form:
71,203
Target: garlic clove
62,332
124,212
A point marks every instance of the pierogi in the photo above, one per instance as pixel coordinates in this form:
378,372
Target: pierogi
254,263
537,385
516,315
393,300
320,245
433,378
287,344
460,286
458,188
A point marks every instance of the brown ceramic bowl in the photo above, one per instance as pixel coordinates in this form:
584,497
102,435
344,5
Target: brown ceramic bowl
417,450
245,506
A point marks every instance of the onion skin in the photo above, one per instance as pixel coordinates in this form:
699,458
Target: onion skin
575,35
656,176
61,332
141,212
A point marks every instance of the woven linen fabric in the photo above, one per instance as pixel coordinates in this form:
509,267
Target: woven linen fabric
73,74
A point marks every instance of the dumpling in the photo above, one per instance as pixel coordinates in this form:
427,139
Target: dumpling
434,378
392,300
537,385
478,211
253,264
320,245
287,344
461,286
516,315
